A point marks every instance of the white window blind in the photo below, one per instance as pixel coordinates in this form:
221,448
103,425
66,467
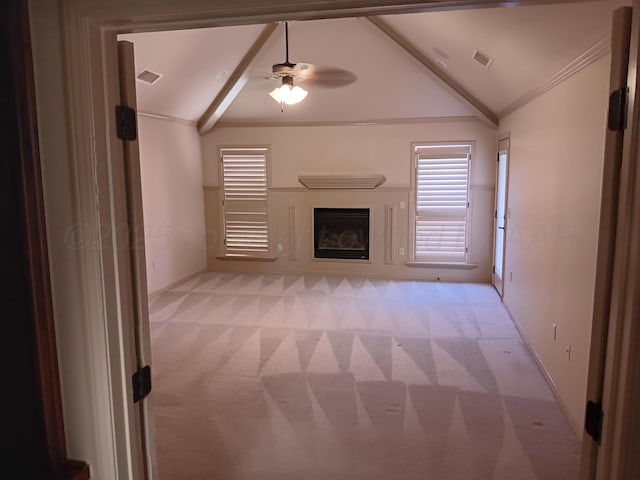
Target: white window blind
442,183
246,214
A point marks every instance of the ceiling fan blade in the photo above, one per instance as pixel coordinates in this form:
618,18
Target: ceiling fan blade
329,77
323,77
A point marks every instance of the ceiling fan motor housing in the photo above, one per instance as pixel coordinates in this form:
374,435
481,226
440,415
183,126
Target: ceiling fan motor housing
288,69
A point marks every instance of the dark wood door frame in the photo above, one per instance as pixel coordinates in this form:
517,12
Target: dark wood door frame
34,428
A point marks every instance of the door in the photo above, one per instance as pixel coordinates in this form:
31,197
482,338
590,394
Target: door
612,437
134,213
500,215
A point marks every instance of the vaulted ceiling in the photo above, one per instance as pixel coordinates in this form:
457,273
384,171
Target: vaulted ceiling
529,46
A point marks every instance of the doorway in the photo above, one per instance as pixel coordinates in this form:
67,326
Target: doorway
76,77
502,175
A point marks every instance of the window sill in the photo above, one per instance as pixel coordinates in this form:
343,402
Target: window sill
451,265
246,258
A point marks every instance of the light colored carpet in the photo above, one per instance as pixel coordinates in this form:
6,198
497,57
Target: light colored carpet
283,377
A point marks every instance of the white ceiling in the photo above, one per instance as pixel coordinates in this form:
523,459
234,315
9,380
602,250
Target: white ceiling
190,61
528,44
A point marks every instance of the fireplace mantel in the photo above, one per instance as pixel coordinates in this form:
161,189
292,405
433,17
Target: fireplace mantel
366,181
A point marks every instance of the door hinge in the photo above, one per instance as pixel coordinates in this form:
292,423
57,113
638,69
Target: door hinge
593,421
126,123
494,269
617,120
141,381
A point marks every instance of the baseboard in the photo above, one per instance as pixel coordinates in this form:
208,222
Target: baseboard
176,283
303,269
545,373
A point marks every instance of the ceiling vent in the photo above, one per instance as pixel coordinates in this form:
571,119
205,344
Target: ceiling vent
149,77
482,58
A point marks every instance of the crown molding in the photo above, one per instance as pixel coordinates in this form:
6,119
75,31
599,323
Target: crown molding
167,118
350,123
598,50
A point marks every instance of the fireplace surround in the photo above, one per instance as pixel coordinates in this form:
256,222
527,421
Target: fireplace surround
341,233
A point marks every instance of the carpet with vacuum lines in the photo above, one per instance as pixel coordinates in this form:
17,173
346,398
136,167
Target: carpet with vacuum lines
283,377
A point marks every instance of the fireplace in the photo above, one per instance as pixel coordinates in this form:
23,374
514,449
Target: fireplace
341,233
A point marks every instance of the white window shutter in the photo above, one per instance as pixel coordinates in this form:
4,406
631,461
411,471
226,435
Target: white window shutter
442,184
244,178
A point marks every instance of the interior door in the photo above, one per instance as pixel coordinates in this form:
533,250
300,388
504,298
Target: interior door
133,186
608,450
500,215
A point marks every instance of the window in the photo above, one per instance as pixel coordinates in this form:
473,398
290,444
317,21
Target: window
442,202
245,201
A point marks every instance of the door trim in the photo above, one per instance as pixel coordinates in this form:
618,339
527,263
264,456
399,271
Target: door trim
36,307
501,138
89,29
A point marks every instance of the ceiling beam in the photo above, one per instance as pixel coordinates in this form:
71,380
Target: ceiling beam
234,83
201,14
451,85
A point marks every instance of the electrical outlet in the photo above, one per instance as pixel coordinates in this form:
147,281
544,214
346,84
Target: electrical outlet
401,251
280,247
402,205
555,332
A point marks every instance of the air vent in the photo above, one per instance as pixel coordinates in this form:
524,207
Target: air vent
482,58
149,77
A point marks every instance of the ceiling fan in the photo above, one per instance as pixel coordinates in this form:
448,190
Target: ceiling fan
324,77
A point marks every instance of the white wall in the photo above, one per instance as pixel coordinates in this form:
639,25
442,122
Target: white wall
556,159
384,149
173,202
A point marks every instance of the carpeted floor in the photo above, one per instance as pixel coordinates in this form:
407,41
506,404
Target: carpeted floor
283,377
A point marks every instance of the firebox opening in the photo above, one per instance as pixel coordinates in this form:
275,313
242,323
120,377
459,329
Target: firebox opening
341,233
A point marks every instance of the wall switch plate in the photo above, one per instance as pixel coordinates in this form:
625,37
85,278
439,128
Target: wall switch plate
401,251
280,247
402,205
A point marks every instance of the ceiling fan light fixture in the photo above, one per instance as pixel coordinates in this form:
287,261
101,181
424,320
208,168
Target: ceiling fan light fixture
287,93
